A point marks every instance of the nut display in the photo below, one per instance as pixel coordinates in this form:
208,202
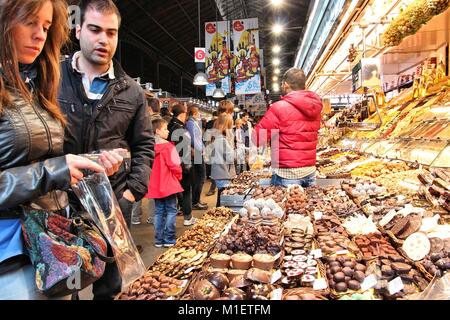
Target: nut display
378,168
296,201
235,190
251,240
374,245
345,273
153,286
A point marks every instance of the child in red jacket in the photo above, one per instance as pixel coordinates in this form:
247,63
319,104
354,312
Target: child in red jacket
164,185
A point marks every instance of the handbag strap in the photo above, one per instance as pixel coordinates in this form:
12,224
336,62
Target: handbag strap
82,226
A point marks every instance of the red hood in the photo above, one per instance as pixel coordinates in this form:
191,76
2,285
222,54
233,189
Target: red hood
307,102
160,147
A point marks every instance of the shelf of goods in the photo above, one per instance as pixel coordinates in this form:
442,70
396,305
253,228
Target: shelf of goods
413,130
358,239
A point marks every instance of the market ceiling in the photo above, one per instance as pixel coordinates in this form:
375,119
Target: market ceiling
157,37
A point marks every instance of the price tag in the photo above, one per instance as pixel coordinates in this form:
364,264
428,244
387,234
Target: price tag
317,253
276,276
276,294
395,286
318,215
189,270
369,282
277,256
320,284
342,252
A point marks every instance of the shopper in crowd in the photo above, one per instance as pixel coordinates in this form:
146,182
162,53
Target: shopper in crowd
34,173
241,151
155,107
208,143
105,109
226,106
223,154
193,125
182,139
164,185
166,114
292,125
247,129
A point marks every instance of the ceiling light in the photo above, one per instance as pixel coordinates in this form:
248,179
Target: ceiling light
276,62
277,28
276,49
275,87
218,92
276,3
276,71
200,79
275,78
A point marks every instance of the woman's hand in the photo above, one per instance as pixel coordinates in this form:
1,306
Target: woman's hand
77,163
111,161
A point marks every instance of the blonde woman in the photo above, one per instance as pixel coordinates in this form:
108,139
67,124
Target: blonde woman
223,153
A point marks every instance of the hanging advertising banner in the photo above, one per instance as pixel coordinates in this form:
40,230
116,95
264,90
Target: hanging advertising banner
217,68
246,56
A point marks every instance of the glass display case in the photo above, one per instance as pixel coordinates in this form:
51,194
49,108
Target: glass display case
417,151
380,147
443,159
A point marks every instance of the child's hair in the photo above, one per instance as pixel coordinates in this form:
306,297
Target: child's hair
158,124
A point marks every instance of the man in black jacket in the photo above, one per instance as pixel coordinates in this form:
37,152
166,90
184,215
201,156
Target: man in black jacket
180,136
106,109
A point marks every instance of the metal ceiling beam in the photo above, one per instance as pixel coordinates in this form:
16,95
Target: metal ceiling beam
189,52
186,14
133,38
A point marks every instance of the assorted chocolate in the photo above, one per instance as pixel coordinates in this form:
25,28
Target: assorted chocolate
153,286
374,245
345,273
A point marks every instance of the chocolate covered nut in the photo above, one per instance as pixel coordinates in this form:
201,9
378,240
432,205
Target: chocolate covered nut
354,285
401,268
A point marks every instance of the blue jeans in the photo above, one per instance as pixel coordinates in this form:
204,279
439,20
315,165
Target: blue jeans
308,181
165,220
20,284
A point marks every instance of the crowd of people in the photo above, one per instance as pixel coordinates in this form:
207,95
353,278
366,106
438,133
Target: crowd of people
52,111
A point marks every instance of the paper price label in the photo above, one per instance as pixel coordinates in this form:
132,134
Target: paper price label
369,282
342,252
320,284
276,294
276,276
318,215
395,286
317,253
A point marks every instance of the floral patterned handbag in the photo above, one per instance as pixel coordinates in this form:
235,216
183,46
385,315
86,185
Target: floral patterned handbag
67,254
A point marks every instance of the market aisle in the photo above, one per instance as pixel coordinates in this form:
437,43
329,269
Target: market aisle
143,234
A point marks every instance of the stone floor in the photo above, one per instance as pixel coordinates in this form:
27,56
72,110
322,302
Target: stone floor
143,234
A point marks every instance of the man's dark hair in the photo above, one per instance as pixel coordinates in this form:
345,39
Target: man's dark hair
295,78
215,113
178,109
153,103
165,112
244,114
158,124
102,6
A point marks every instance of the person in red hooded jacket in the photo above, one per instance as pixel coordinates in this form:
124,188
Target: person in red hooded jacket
292,126
164,185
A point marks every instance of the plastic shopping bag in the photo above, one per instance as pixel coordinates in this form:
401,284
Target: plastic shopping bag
98,199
